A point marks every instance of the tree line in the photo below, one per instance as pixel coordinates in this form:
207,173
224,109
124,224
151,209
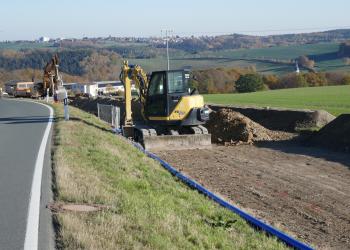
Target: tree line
37,59
241,80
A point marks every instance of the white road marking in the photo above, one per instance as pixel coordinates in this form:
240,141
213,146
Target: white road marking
32,229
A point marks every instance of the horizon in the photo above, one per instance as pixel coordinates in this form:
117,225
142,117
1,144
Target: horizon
184,36
93,19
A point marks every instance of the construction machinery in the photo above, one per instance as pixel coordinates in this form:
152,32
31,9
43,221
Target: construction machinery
52,80
22,89
172,114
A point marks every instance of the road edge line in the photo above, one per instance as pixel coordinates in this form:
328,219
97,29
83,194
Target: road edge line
32,228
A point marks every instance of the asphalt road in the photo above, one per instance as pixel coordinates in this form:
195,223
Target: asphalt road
22,125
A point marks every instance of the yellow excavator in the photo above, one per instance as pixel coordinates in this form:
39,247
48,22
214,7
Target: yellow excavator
172,114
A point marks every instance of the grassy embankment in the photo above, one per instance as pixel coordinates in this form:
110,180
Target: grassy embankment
150,209
334,99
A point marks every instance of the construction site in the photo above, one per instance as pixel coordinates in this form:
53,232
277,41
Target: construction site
159,125
288,168
273,164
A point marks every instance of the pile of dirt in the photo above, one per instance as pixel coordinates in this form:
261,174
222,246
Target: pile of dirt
335,135
288,120
228,126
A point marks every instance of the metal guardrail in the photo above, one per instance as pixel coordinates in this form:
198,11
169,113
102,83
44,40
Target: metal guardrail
110,114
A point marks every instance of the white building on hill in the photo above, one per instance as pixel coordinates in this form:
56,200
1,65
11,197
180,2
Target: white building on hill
44,39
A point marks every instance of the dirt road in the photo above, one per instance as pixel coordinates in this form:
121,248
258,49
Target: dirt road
303,191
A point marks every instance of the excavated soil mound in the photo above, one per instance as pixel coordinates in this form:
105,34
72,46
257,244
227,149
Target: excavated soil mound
335,135
288,120
228,126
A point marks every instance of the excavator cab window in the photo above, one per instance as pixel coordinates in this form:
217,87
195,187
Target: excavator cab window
176,82
177,88
156,101
165,90
156,86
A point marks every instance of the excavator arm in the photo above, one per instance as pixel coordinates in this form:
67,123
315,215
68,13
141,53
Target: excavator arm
133,74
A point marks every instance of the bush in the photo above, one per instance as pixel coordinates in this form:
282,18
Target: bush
292,80
315,79
249,83
271,81
346,80
335,78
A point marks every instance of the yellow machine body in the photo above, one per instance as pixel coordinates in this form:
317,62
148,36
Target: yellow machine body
182,109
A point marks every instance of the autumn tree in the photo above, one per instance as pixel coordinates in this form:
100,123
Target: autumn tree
271,81
315,79
334,78
306,62
102,65
292,80
346,80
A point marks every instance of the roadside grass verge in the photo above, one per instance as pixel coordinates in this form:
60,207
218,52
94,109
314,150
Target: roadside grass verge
334,99
150,209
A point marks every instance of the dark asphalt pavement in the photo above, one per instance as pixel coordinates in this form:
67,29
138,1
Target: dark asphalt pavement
22,125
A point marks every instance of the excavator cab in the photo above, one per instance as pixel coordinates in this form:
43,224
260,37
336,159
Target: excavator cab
170,98
165,90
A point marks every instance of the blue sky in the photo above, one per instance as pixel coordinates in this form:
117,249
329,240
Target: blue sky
30,19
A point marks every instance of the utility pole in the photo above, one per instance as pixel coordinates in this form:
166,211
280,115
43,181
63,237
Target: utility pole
167,32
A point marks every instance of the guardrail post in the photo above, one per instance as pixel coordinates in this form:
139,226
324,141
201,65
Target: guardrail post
98,111
66,109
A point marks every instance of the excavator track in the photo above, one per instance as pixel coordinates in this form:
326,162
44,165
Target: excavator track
199,138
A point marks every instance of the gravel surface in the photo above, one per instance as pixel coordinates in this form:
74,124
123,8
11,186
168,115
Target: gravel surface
302,190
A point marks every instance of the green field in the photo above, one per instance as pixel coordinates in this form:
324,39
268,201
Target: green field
278,52
247,57
334,99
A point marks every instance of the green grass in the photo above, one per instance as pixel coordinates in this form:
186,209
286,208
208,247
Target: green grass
334,99
278,52
150,209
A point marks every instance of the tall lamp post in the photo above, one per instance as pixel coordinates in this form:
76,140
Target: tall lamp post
167,32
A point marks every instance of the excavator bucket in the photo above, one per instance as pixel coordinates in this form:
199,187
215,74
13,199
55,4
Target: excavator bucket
176,142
